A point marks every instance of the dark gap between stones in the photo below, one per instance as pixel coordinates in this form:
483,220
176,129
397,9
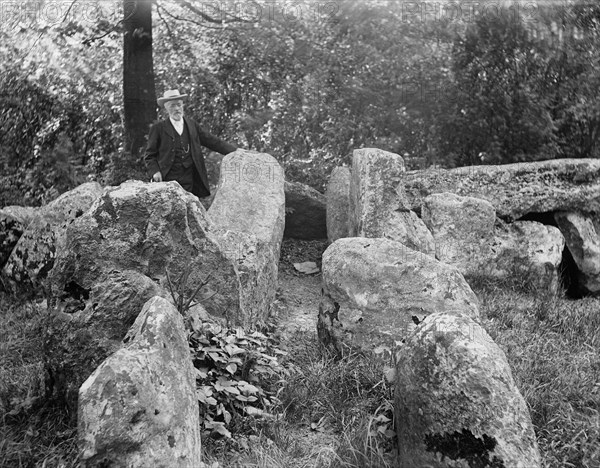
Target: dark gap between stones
567,270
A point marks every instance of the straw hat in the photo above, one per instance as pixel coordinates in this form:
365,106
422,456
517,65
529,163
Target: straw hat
170,95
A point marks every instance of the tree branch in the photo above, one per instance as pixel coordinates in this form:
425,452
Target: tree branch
69,11
198,23
34,44
209,18
89,40
158,8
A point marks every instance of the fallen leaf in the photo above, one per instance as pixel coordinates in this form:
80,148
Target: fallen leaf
389,373
308,268
253,411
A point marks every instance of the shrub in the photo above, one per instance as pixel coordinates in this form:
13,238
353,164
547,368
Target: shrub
236,375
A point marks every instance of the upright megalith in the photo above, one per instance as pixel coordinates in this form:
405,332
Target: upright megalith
247,221
378,204
375,291
470,237
529,249
113,259
152,229
34,254
456,403
462,227
338,200
582,238
139,408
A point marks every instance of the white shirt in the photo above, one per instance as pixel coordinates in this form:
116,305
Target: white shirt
178,124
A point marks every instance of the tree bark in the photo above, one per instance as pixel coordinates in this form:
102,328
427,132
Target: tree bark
139,96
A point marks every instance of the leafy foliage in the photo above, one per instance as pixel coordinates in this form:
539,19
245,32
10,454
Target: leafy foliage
59,111
523,89
323,88
497,76
307,87
33,122
572,77
236,373
496,90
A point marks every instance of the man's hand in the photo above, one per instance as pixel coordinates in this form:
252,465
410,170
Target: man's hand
157,177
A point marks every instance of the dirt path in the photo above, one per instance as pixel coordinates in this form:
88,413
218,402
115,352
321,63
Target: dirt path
297,308
299,303
298,294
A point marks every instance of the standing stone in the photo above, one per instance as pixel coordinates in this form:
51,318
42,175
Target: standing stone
151,229
338,203
515,189
113,259
378,205
583,241
305,212
139,408
469,237
456,402
33,255
248,216
529,249
13,222
463,229
378,289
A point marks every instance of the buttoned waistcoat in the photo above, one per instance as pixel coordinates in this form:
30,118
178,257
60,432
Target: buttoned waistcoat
159,153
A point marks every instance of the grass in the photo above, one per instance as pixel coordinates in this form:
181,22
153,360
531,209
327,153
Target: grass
32,432
330,415
553,346
335,413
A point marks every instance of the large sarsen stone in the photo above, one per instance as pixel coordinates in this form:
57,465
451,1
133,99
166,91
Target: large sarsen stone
33,256
247,221
376,290
456,402
338,201
515,189
583,241
462,227
139,408
114,258
378,205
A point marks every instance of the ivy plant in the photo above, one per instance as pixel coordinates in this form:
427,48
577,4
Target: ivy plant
237,373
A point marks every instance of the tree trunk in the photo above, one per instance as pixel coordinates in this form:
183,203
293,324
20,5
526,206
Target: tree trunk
139,96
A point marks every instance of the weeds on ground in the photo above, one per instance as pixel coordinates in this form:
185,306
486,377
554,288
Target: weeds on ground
236,376
183,299
32,433
338,413
332,413
552,344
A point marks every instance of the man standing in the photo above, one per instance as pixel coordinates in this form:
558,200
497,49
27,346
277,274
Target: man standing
174,147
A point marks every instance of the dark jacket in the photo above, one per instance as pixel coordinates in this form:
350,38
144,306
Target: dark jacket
158,156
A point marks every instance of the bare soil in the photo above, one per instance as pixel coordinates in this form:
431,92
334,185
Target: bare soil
298,294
